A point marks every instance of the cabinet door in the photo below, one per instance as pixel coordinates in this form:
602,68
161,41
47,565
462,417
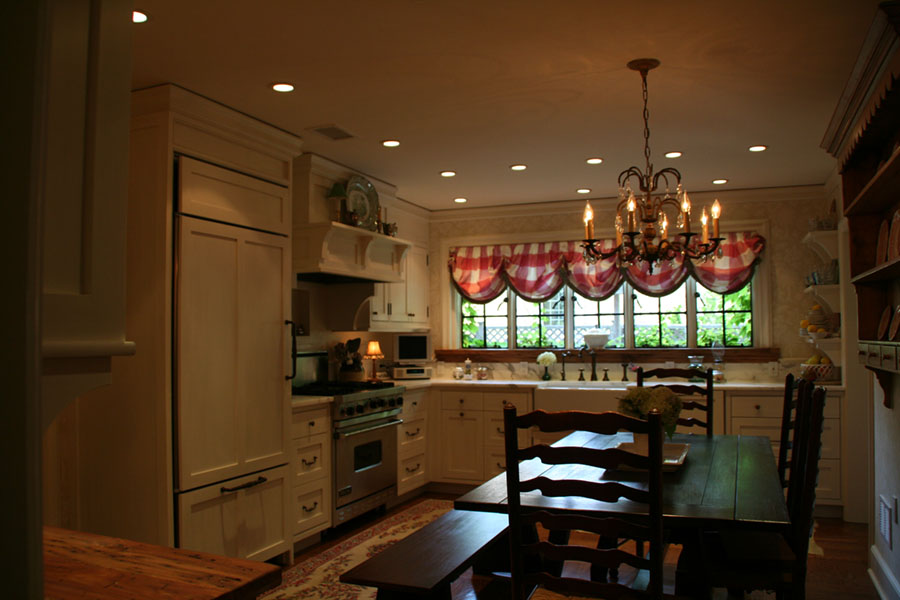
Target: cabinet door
250,522
378,305
232,409
417,285
462,448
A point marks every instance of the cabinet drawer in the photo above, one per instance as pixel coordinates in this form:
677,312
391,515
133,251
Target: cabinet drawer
757,406
312,507
493,432
862,354
764,426
411,473
829,487
873,356
311,458
466,400
495,400
413,405
888,357
309,422
410,433
494,462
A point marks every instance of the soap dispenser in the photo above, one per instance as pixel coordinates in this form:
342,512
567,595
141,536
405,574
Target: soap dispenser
467,372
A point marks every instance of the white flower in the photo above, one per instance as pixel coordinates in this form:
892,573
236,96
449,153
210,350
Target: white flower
545,359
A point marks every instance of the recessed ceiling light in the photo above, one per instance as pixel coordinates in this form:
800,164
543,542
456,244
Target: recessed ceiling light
518,167
460,200
390,143
583,190
448,173
594,161
719,181
282,87
673,154
138,17
757,148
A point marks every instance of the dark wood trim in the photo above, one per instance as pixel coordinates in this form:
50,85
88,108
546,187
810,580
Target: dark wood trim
617,355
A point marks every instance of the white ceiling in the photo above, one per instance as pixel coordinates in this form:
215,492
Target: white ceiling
476,86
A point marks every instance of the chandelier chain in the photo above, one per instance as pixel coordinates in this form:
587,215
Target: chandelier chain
646,122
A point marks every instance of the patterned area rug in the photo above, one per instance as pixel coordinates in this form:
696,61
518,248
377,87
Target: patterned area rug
317,577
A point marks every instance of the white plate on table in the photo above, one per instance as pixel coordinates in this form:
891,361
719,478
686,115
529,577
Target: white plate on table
673,455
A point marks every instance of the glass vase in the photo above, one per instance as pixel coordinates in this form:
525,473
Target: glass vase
546,375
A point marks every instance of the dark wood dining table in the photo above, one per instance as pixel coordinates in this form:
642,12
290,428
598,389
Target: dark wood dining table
724,482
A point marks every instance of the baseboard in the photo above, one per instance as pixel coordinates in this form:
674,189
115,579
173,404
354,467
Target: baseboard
883,579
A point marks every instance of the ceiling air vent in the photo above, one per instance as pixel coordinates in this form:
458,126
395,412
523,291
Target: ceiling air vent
332,132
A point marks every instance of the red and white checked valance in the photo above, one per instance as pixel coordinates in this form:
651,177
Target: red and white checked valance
537,271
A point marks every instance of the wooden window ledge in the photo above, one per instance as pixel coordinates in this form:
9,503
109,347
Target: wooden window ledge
610,355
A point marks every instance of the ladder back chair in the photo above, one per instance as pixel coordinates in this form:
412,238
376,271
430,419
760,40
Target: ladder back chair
700,395
793,388
768,560
536,563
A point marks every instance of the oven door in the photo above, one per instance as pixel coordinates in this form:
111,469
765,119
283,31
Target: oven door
365,459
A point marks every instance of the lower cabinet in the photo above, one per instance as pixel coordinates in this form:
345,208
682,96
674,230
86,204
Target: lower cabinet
412,468
471,432
245,517
760,414
311,482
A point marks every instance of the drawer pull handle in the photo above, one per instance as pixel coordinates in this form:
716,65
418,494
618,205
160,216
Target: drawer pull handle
243,486
315,504
500,431
312,423
413,434
461,400
501,466
410,314
757,406
414,469
415,402
309,463
462,414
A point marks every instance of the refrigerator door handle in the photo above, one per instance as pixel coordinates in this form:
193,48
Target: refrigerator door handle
244,486
293,350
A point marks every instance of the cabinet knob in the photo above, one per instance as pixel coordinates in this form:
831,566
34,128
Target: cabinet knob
312,423
462,414
757,407
461,400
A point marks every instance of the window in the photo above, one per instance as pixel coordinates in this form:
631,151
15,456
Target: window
690,316
486,325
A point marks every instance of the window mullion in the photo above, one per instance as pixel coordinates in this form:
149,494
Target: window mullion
691,302
629,316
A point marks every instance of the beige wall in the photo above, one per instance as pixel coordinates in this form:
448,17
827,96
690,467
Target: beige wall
782,215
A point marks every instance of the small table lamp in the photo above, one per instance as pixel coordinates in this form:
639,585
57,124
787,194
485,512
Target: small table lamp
373,352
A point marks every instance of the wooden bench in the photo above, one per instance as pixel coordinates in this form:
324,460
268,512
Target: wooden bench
425,563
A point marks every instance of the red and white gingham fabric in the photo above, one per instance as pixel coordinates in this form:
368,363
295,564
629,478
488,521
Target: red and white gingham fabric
537,271
731,271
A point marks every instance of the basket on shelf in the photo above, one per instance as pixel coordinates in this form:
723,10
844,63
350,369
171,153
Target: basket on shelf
820,372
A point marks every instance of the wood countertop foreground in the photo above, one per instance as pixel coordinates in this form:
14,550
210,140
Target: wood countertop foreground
86,565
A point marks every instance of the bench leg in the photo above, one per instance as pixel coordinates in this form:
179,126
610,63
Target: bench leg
494,559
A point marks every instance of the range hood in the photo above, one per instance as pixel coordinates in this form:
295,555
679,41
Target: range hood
332,252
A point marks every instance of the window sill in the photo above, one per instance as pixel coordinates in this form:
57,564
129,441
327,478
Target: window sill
614,355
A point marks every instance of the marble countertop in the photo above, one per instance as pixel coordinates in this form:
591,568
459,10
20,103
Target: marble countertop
533,384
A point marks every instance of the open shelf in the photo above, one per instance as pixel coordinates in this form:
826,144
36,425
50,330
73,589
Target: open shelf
829,294
824,243
886,271
878,194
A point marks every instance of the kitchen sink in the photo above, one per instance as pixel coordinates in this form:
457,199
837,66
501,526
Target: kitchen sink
591,396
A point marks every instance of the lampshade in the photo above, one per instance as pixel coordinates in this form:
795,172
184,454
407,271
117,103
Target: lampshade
373,350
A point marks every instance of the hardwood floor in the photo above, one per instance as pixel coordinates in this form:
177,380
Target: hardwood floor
837,563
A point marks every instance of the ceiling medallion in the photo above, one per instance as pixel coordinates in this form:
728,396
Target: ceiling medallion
642,224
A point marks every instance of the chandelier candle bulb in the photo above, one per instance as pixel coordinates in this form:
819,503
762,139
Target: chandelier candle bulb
588,221
704,220
686,211
716,211
631,207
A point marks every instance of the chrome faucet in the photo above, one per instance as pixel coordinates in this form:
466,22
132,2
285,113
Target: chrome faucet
562,356
593,354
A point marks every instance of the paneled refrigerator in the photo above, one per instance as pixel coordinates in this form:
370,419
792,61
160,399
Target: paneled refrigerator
231,365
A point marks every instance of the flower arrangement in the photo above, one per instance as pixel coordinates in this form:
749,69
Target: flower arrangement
545,359
639,401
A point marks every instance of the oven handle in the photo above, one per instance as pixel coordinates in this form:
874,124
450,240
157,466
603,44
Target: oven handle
347,434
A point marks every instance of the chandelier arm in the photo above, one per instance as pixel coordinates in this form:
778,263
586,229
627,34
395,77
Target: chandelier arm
664,174
630,172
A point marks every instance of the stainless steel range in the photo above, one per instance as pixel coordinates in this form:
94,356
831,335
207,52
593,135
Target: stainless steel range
365,416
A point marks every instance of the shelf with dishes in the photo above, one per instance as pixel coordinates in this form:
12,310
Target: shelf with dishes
824,243
828,294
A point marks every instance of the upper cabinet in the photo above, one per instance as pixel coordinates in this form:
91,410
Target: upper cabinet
864,135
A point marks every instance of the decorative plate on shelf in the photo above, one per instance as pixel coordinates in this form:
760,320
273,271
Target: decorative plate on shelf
893,250
362,200
895,325
883,323
882,247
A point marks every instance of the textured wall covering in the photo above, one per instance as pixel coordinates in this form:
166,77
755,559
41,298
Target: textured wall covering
785,213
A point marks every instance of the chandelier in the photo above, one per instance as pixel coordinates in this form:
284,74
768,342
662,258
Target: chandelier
642,223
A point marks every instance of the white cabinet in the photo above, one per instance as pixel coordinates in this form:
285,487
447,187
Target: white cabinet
242,517
759,413
412,442
471,434
403,306
312,462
